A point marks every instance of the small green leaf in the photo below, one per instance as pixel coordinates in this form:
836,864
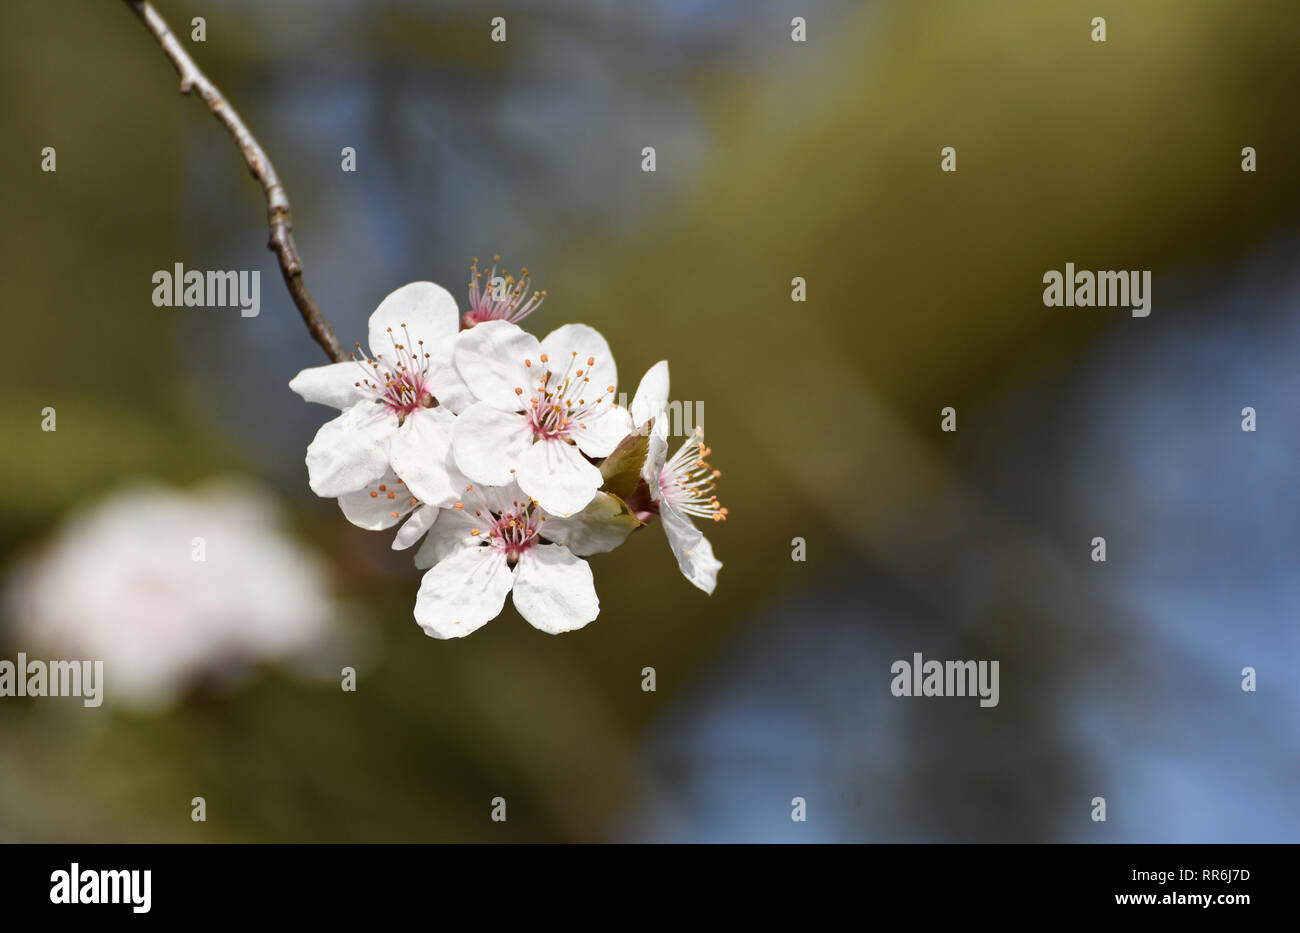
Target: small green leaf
622,468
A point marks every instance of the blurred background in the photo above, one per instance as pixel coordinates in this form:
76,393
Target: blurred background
775,159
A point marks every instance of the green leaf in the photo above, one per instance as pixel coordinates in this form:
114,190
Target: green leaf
622,468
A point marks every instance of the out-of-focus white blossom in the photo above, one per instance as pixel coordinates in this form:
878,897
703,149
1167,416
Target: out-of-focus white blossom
169,588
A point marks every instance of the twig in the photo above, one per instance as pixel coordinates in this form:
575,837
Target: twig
277,202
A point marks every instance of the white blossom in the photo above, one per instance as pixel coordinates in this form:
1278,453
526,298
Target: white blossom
169,588
540,407
494,541
397,407
680,487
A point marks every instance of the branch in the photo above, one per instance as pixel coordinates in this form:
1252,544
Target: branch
277,202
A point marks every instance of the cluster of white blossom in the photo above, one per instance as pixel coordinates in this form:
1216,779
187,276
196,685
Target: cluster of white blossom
508,455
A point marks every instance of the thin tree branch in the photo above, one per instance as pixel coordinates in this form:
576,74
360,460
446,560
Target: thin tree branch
277,202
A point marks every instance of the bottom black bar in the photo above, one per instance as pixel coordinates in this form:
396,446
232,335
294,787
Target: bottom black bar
299,883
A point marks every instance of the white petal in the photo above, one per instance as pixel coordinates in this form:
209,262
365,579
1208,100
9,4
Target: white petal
598,436
334,385
421,454
651,394
350,451
421,520
450,534
491,359
462,593
693,552
371,506
558,477
656,455
488,443
450,390
492,498
428,313
602,526
580,342
554,590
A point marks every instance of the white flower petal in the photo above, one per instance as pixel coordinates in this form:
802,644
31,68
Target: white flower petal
602,526
581,343
449,534
491,356
656,455
421,520
378,505
428,313
693,552
599,435
554,590
462,593
421,454
489,443
450,390
350,451
651,394
334,385
558,477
